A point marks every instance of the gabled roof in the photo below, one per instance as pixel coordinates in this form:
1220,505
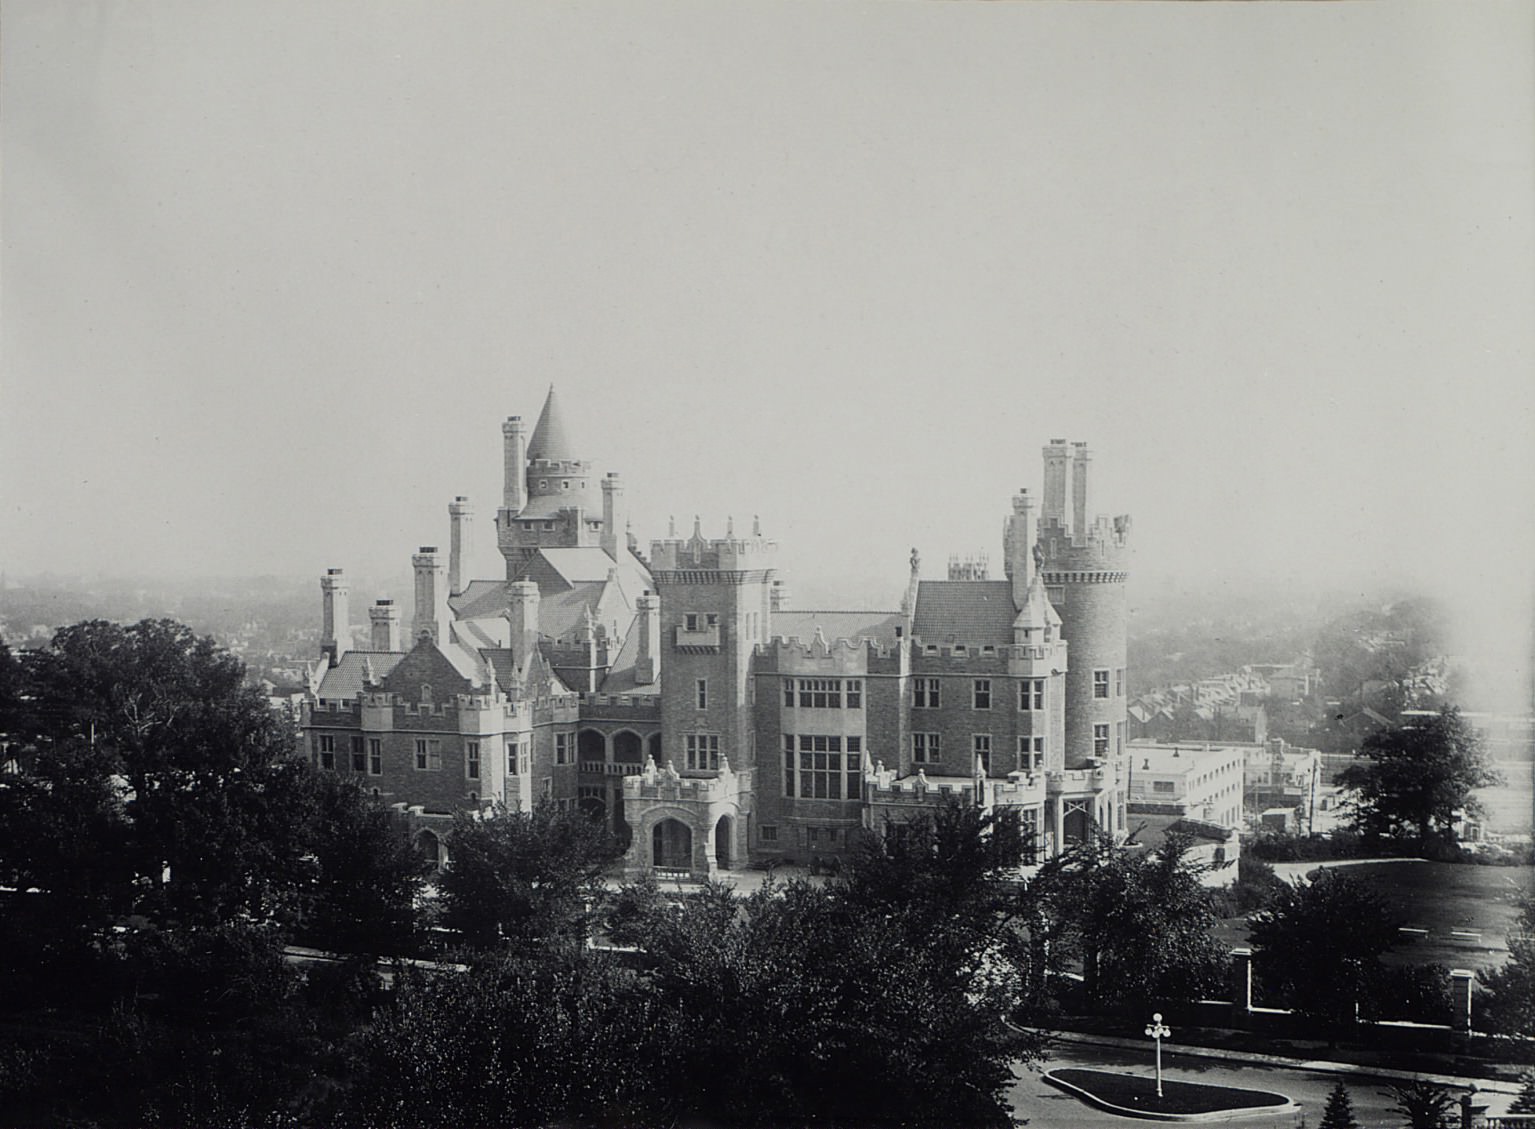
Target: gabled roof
345,680
879,626
550,439
440,668
973,612
575,566
620,676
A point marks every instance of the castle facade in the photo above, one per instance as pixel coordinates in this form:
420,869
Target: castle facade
677,696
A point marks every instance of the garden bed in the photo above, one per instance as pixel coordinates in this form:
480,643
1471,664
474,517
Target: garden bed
1136,1096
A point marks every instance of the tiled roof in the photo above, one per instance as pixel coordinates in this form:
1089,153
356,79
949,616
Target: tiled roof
550,439
620,677
592,563
973,612
545,506
480,598
344,681
879,626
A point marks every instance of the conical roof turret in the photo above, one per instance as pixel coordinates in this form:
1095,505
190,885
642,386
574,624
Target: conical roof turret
1037,614
550,439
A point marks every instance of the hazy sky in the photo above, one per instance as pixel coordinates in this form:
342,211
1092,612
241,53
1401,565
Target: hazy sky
273,273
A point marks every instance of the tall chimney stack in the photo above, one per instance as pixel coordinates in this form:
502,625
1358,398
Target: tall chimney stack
615,536
431,597
1054,506
460,520
1020,546
647,665
384,618
514,488
522,614
1081,499
336,617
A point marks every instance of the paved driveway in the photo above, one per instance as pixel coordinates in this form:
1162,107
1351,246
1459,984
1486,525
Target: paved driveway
1049,1108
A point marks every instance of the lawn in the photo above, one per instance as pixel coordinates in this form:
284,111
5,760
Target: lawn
1442,898
1135,1094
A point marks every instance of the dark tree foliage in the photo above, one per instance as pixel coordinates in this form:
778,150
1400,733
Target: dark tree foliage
1339,1111
1317,948
1425,1104
1416,780
524,877
1138,922
1509,1007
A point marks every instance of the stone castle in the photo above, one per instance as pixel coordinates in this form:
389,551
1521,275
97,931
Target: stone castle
676,696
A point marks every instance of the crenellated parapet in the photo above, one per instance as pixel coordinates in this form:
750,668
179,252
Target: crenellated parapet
1081,781
1104,548
697,559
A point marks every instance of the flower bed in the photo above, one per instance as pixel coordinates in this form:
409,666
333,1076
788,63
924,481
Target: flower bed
1137,1096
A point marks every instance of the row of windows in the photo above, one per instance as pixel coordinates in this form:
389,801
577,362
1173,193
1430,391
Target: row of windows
927,748
811,836
823,693
927,693
369,758
822,766
1101,682
1101,735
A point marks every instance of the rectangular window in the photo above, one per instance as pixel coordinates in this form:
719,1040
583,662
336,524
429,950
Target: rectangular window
562,748
1119,682
854,768
525,756
788,764
703,752
768,834
359,758
820,693
925,748
1031,694
820,767
855,693
1119,737
788,693
472,759
511,758
375,756
981,743
981,694
690,621
326,745
1101,683
428,754
1038,763
1100,740
703,693
1161,785
924,693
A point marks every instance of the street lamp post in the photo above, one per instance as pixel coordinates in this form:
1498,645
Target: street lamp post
1158,1030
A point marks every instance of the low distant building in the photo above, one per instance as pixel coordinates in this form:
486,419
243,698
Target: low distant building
1202,782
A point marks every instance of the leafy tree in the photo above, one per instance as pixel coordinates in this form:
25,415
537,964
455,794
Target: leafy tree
524,877
367,874
1417,779
1139,922
1339,1111
1425,1104
1510,1006
1318,947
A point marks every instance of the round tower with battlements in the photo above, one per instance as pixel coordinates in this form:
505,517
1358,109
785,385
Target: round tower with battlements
1084,563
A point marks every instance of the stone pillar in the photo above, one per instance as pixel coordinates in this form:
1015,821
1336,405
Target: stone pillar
615,535
1461,980
1020,546
1241,987
522,612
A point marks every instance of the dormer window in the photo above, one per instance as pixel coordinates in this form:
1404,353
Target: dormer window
565,485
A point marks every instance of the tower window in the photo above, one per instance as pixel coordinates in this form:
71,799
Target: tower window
565,485
1100,740
562,748
1101,683
1031,753
855,693
326,744
690,621
924,693
472,759
925,748
1119,682
788,693
702,686
981,694
375,756
703,752
543,484
1031,694
428,754
359,759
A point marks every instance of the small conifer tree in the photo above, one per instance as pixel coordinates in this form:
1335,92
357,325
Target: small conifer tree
1339,1111
1524,1102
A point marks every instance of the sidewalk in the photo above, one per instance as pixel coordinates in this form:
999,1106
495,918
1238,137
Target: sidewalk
1485,1085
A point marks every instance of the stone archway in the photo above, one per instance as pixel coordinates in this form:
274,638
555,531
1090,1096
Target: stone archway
628,748
430,847
724,831
671,845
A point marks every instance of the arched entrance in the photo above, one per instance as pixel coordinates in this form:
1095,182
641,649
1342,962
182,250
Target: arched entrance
722,835
591,745
429,846
671,845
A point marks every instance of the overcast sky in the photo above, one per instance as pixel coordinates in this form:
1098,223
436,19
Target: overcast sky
273,273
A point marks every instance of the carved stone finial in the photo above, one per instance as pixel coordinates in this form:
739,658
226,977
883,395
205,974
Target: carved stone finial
916,561
1039,556
671,526
756,526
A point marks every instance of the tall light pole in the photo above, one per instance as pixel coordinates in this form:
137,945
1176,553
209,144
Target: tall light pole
1158,1030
